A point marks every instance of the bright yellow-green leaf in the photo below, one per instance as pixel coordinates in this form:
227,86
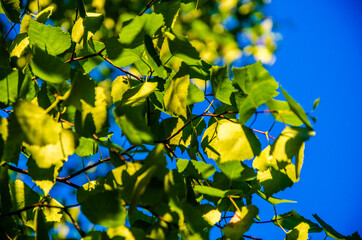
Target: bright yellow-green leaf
292,219
283,112
300,232
240,222
52,214
44,15
227,141
297,109
78,30
119,86
137,95
175,97
49,38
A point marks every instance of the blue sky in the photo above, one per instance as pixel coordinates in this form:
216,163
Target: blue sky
320,55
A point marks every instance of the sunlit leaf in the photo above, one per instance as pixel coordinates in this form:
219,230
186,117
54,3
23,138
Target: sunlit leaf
228,141
254,87
297,109
195,169
221,85
300,232
292,219
48,38
175,98
240,222
282,112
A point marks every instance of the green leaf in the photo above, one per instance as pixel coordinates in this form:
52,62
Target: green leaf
16,86
297,109
316,103
169,11
87,147
133,124
300,232
52,214
81,9
227,141
12,9
210,214
282,112
221,85
49,68
48,38
38,127
78,30
180,47
44,15
22,196
328,229
237,171
194,95
195,169
40,227
273,200
292,219
210,191
93,21
119,86
133,31
254,87
12,137
122,56
46,162
240,222
101,204
137,95
25,22
175,97
19,46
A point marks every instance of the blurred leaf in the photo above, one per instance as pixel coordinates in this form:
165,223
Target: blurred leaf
300,232
221,85
329,230
292,219
283,112
80,6
227,141
44,15
101,204
181,47
297,109
93,21
254,87
316,103
48,38
12,9
240,222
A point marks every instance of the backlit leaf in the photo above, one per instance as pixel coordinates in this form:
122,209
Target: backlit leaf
292,219
221,85
297,109
175,98
282,112
240,222
48,38
49,68
254,87
195,169
228,141
300,232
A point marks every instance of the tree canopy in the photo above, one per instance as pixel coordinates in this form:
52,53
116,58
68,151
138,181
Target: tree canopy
124,120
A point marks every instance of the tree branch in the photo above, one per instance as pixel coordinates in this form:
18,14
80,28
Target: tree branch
23,171
34,206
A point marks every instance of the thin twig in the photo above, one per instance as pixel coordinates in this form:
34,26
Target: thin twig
23,171
149,4
34,206
119,68
75,224
274,220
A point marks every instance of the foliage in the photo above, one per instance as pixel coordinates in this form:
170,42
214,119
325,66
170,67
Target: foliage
177,152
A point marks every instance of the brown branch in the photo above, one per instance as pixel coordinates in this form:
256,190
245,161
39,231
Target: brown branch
23,171
258,131
34,206
119,68
75,224
6,35
84,169
251,237
149,4
274,220
85,57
